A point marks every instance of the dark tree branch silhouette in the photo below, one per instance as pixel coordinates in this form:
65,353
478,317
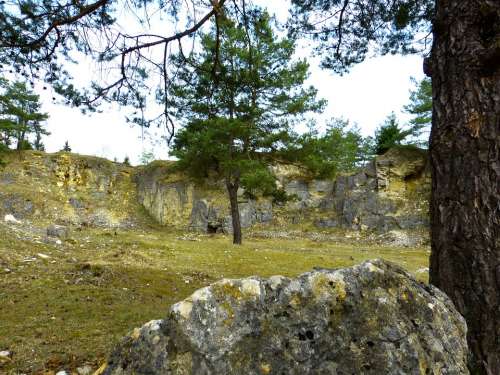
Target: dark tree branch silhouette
36,36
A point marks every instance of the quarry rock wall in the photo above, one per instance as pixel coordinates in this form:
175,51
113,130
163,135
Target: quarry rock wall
390,193
68,189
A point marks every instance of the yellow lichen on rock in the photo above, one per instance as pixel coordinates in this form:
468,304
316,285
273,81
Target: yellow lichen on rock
182,364
324,285
135,333
101,369
250,288
265,368
183,308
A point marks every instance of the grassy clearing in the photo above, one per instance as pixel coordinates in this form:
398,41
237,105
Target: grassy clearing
70,308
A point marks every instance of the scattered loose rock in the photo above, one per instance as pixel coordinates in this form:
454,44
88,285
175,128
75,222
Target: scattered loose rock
373,318
5,356
11,219
422,270
189,237
403,238
84,370
58,231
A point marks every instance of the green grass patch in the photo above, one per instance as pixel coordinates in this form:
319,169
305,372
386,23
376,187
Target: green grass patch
71,308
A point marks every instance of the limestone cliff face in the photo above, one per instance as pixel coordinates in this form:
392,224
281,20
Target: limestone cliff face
167,196
172,199
392,192
68,189
389,193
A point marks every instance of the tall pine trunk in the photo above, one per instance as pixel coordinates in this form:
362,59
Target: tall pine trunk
465,158
232,190
20,139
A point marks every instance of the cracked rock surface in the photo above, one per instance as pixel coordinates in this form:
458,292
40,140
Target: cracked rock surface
373,318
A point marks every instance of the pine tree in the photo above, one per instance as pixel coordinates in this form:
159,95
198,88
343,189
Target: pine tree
239,112
66,147
146,157
340,149
390,134
20,115
420,107
38,143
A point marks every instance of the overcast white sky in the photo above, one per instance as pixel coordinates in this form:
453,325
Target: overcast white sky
365,96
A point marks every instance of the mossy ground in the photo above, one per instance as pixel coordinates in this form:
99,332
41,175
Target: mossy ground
71,308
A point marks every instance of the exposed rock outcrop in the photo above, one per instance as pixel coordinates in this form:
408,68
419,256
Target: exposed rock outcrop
369,319
172,199
390,193
68,189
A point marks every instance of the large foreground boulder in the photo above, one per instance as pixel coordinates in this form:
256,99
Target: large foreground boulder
373,318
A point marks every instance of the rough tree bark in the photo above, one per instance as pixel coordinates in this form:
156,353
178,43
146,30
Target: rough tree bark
465,158
232,190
